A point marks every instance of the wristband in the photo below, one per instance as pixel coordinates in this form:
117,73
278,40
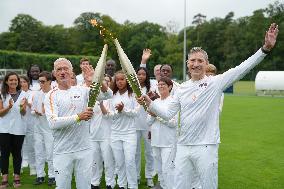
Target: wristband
21,107
265,51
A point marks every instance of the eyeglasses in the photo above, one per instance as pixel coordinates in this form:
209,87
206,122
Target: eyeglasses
42,81
161,84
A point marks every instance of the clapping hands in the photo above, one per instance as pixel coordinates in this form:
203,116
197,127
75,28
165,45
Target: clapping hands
119,107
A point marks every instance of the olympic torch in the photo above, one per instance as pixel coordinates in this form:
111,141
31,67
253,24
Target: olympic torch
98,78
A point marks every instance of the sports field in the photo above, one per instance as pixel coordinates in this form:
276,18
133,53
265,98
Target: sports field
251,155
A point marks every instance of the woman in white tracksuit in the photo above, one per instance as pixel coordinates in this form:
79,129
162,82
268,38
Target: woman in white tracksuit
163,136
142,131
123,111
13,102
29,156
28,151
100,130
42,133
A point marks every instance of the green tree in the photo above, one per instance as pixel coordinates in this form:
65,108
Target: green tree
28,33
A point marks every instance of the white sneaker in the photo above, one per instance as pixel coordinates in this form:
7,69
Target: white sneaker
32,171
150,182
25,164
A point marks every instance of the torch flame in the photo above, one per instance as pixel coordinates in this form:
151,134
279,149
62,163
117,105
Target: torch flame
94,22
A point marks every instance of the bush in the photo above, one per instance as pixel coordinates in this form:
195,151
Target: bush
22,60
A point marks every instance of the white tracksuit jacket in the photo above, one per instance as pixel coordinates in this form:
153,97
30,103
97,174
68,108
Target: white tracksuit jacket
72,145
13,122
198,102
124,139
163,141
42,137
28,150
100,130
142,130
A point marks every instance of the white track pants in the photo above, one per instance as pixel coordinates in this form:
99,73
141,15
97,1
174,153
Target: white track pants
163,166
124,155
28,150
200,158
102,152
149,166
44,153
64,164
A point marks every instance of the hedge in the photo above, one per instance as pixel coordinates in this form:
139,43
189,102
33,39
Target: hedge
22,60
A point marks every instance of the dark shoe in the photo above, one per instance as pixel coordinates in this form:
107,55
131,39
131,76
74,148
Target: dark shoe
108,187
51,181
94,187
39,181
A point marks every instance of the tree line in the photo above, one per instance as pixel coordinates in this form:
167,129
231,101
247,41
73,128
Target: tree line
228,41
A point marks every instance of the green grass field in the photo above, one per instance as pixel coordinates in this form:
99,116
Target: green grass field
244,88
252,150
251,155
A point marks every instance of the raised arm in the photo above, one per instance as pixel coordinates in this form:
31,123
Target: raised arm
235,74
145,57
270,38
88,73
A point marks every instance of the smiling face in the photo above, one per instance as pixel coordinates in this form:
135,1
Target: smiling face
34,72
24,84
120,81
141,74
166,71
44,83
12,82
197,65
163,88
63,72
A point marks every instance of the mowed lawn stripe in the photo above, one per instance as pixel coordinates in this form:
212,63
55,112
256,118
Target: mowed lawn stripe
251,154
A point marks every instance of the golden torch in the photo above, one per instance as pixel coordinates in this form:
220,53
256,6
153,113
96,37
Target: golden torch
98,78
124,61
129,71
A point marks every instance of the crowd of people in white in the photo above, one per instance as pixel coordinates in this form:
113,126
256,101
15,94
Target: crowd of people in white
44,118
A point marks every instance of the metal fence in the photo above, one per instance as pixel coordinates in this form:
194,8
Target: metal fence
3,72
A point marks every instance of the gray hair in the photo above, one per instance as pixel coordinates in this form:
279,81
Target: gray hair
56,62
111,61
197,50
